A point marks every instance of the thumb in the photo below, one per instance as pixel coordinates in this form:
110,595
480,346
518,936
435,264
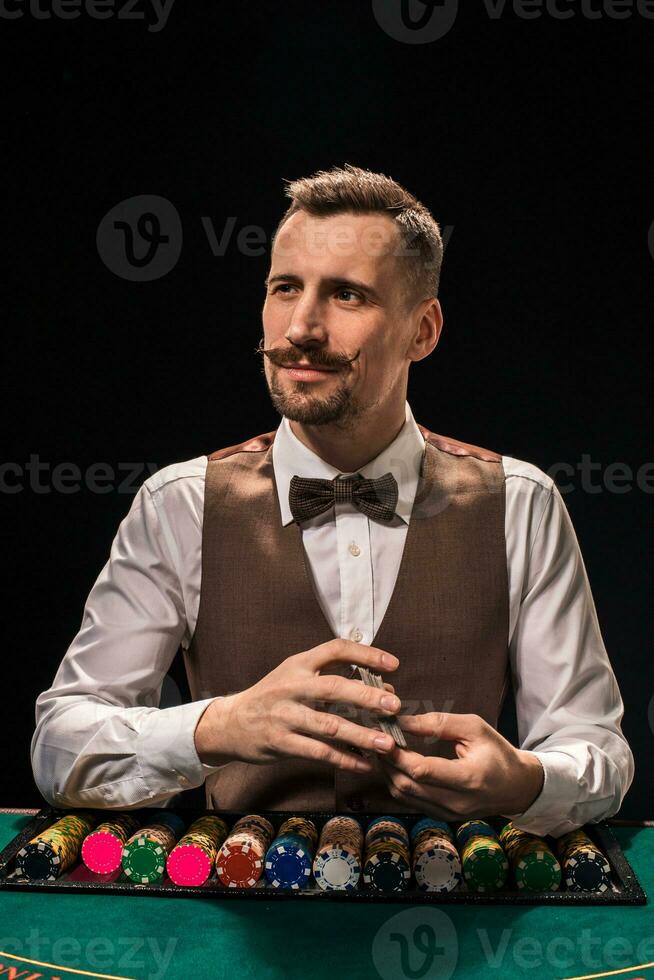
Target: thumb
443,724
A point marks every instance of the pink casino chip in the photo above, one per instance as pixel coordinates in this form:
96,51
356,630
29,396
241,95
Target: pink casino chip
102,852
188,865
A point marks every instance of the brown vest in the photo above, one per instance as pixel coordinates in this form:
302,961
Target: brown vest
447,619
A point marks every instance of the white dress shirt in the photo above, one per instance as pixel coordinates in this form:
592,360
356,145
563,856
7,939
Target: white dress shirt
101,739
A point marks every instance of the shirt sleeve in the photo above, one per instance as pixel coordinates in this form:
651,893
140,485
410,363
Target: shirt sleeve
568,704
101,739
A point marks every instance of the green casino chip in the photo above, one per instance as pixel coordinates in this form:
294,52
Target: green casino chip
144,861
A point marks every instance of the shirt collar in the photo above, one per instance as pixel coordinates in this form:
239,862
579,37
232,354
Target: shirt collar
402,457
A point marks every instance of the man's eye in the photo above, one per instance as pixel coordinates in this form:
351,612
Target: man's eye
283,285
350,292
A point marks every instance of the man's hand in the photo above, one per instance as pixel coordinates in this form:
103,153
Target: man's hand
276,718
490,776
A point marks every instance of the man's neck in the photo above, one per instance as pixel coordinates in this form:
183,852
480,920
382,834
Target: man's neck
345,449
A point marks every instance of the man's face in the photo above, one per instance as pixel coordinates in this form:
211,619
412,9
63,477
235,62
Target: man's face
334,300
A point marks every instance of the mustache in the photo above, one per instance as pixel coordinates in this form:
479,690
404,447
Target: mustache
291,355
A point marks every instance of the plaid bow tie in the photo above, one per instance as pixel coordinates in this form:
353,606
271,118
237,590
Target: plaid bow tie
374,498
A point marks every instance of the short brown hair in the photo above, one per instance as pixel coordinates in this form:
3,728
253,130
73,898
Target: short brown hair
352,189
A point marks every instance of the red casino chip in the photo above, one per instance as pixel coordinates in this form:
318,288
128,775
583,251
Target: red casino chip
239,865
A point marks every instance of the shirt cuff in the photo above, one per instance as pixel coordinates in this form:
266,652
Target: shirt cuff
166,751
550,813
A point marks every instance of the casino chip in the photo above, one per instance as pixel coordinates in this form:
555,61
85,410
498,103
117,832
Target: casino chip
337,864
484,863
387,871
585,868
57,848
192,859
240,860
387,862
146,851
533,863
144,860
437,870
337,867
588,871
102,849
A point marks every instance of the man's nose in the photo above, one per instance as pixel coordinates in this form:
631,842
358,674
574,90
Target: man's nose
307,323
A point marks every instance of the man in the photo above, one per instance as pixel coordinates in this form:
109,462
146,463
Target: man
350,536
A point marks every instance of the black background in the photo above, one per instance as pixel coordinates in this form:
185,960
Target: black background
527,139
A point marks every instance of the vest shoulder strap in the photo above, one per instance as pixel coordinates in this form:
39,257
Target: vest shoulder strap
259,444
457,448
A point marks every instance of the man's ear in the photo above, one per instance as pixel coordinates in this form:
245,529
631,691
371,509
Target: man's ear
428,330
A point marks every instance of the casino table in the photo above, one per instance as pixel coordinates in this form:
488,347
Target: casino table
61,935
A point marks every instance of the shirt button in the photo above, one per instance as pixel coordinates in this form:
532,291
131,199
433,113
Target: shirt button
354,549
356,635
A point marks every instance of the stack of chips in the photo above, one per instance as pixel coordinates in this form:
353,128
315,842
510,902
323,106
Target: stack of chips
56,849
102,850
290,856
337,864
533,863
483,861
240,860
585,868
436,861
145,853
387,865
191,861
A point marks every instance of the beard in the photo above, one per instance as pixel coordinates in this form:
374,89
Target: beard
299,401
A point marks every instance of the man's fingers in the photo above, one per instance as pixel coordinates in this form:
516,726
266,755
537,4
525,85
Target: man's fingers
327,725
401,786
347,651
442,804
334,688
442,724
447,774
300,747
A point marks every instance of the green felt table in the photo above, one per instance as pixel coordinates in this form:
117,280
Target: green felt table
56,935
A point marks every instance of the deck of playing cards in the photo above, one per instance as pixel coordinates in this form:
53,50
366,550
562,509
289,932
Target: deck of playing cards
388,725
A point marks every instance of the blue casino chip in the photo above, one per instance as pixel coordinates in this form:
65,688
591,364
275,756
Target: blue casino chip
288,862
